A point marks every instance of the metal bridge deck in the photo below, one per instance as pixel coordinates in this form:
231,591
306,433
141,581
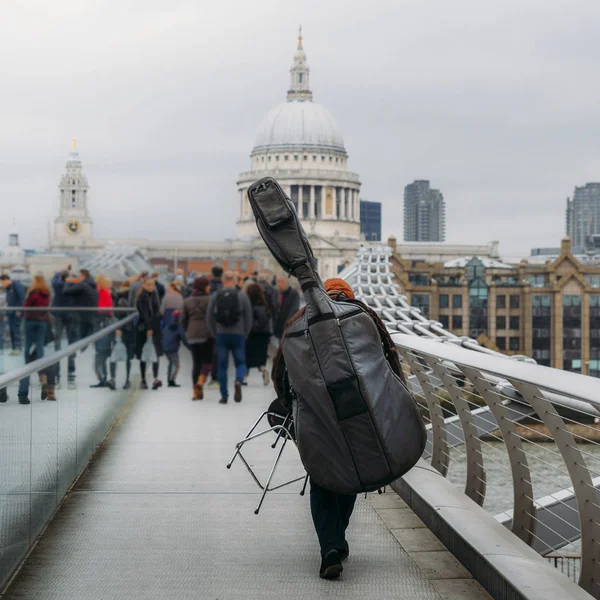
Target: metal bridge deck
157,515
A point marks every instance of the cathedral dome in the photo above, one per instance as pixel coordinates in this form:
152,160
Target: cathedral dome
299,125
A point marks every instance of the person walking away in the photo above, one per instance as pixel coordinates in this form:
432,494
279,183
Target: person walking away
289,303
136,282
148,327
216,283
64,320
15,296
172,332
230,320
160,288
125,335
257,344
200,340
271,295
36,323
330,511
105,345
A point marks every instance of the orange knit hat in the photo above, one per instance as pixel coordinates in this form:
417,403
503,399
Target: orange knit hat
336,286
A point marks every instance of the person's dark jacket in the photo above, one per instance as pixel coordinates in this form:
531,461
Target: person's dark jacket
288,306
216,283
172,331
272,298
37,299
261,319
160,289
149,311
84,295
60,299
15,294
194,318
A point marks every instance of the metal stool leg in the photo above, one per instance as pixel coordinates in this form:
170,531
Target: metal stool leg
266,489
304,486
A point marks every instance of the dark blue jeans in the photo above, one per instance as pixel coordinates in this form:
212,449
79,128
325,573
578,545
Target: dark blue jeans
236,344
14,324
331,514
35,335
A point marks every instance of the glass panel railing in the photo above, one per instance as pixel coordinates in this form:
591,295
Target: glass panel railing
46,442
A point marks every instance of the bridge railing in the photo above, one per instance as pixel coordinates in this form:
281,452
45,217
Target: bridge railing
522,440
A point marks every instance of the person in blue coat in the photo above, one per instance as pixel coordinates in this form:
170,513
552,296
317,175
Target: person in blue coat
173,336
15,296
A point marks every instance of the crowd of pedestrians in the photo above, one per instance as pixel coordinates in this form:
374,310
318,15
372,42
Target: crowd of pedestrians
214,317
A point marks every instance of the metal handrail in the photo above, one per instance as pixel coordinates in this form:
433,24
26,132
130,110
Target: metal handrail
43,363
74,309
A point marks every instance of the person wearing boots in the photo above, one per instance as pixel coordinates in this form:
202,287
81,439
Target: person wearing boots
36,323
200,340
149,327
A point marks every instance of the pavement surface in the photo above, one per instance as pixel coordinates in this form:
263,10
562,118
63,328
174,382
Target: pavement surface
157,515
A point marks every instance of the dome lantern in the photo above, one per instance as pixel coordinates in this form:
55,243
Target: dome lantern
299,88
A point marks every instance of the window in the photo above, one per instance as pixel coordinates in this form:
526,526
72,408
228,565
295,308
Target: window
418,278
269,159
314,158
572,332
322,159
295,157
500,301
537,280
421,301
286,157
445,321
232,264
277,159
500,322
457,301
263,159
331,159
593,280
300,77
514,344
514,323
515,301
305,157
501,343
541,323
444,301
456,322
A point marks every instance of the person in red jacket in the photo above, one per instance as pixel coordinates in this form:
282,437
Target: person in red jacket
36,324
104,346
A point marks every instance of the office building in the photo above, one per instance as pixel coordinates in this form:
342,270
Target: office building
370,220
424,213
583,217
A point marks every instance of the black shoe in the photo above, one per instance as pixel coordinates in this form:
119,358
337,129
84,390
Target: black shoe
24,400
111,385
344,552
127,385
237,396
223,401
3,395
100,384
173,384
157,384
331,565
143,385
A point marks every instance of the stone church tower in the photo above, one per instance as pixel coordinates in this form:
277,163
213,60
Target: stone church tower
73,226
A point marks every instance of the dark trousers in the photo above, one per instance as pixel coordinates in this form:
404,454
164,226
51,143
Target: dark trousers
173,366
35,337
202,357
64,324
331,514
236,344
101,361
14,325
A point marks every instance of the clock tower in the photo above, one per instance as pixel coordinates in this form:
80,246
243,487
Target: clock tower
73,226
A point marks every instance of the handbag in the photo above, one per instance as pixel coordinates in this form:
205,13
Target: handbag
119,352
149,352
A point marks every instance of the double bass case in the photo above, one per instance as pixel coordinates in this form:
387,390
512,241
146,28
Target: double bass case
357,426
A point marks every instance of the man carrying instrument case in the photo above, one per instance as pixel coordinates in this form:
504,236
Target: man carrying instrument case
357,427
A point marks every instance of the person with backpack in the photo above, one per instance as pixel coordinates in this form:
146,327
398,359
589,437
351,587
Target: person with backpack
230,320
257,344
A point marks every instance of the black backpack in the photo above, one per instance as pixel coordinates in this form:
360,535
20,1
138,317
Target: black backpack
227,307
261,319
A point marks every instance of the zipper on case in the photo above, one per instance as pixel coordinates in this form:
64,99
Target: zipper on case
352,314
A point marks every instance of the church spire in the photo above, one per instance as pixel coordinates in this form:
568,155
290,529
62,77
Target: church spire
299,90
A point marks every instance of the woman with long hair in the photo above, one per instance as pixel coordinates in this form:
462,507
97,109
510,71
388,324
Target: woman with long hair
148,328
104,345
36,325
257,343
197,332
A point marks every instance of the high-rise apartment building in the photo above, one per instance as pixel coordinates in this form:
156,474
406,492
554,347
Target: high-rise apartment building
583,216
424,213
370,220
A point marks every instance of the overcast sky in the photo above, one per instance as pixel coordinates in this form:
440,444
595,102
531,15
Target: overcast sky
496,102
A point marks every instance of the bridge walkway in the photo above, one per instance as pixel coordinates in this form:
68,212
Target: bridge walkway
157,515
